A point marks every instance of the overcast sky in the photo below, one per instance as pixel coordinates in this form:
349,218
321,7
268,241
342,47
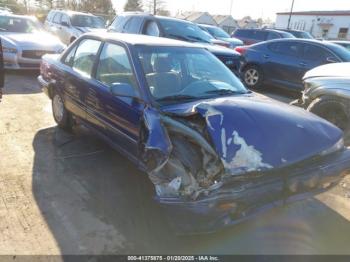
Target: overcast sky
254,8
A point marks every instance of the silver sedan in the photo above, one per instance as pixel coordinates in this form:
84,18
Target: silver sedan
25,42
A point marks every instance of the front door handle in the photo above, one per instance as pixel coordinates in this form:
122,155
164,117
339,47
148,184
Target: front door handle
266,56
302,64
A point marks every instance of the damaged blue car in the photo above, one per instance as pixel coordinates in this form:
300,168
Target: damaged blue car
216,152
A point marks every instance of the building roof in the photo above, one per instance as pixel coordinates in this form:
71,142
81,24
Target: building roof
221,18
191,16
319,13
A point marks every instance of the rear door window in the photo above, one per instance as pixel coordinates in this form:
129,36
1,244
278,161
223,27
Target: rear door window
286,48
85,56
133,25
259,35
119,23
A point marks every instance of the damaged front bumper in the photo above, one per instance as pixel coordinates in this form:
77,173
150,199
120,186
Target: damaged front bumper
238,200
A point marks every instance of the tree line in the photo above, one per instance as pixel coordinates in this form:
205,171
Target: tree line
93,6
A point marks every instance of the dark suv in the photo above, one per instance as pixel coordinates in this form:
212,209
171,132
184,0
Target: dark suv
146,24
253,36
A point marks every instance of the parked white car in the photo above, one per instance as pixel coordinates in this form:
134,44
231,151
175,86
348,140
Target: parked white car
25,41
69,25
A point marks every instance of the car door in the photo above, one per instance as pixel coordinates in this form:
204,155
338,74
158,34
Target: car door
282,63
119,114
77,70
315,55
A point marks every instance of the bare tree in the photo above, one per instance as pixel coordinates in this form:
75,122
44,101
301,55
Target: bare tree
157,7
133,5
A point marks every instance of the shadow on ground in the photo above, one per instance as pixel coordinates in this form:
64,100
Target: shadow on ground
21,82
95,202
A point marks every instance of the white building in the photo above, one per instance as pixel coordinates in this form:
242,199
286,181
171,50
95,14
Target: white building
321,24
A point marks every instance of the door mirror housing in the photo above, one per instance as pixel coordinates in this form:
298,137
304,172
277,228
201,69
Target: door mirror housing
124,89
64,23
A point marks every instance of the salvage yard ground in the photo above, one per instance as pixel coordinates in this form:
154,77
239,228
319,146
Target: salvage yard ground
72,194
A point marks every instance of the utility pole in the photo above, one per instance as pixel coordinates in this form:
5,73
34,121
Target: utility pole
154,7
290,14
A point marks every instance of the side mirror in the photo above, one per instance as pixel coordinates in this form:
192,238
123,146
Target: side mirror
331,59
64,23
123,89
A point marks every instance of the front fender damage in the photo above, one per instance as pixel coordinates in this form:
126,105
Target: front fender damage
179,160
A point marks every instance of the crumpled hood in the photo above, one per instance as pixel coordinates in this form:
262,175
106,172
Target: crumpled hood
39,40
253,133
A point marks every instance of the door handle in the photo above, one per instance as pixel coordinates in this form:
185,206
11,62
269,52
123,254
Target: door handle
266,56
302,64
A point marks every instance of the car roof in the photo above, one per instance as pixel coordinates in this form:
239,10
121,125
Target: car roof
205,25
136,39
301,40
289,30
155,16
70,12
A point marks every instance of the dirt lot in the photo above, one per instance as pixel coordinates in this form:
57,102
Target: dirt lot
72,194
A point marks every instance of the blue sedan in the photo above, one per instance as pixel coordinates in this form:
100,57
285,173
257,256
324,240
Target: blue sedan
215,152
284,62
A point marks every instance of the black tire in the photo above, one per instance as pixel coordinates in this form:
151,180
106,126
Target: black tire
333,110
253,77
62,117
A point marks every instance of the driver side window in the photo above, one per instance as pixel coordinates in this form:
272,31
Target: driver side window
114,67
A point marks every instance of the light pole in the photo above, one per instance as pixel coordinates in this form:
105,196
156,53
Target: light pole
290,14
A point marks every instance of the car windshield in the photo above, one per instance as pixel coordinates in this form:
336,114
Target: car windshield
19,25
87,21
341,51
184,30
218,32
176,74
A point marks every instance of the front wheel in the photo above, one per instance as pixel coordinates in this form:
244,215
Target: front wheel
333,110
60,114
253,77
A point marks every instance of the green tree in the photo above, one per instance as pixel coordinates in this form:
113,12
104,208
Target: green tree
133,5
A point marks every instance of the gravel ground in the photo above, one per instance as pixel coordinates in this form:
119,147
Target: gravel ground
72,194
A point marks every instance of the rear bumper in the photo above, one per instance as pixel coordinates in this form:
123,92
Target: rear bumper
239,201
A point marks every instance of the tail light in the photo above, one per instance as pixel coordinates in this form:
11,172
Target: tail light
241,49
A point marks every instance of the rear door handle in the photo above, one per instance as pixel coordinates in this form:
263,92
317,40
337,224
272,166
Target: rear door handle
266,56
302,64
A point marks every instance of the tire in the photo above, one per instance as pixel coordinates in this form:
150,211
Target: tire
333,110
253,77
62,117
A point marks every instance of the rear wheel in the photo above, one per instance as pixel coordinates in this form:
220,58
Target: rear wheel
62,117
253,77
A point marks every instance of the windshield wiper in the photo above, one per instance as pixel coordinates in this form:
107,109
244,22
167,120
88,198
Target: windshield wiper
176,97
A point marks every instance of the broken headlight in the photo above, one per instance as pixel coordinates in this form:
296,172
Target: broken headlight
336,147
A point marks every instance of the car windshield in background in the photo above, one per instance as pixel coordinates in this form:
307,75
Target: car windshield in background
87,21
184,31
18,25
304,35
176,74
341,51
218,32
